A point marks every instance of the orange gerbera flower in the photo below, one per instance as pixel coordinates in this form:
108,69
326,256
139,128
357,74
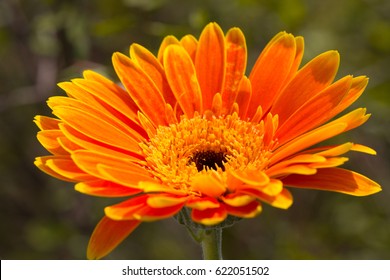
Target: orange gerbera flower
189,131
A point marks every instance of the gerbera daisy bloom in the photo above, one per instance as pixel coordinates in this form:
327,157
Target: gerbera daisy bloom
188,132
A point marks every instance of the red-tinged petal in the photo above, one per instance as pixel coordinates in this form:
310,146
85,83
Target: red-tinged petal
270,71
182,78
315,76
98,129
282,200
168,41
210,72
150,64
314,112
309,139
190,44
105,189
107,235
126,209
165,200
237,199
207,185
335,179
141,88
46,123
243,97
202,203
150,214
236,57
250,210
137,208
211,216
49,140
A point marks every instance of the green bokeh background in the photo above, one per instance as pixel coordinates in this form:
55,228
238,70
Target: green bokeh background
43,42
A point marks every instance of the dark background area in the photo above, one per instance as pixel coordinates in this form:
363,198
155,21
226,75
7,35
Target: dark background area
43,42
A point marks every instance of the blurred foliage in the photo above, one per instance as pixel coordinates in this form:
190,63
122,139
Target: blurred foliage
43,42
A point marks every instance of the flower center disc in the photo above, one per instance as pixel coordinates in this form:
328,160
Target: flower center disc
178,152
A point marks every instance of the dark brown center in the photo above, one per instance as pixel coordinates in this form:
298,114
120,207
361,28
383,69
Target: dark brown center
209,159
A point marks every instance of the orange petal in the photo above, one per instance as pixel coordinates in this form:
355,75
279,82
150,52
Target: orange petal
299,48
306,140
49,140
251,177
330,162
40,162
46,123
96,128
277,169
209,217
315,76
67,168
236,57
105,189
141,88
182,78
315,111
114,106
102,113
243,97
91,144
335,179
210,72
250,210
168,41
150,64
107,235
190,44
111,87
363,149
358,86
271,70
122,176
207,185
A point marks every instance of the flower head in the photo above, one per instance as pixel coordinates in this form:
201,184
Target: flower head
188,130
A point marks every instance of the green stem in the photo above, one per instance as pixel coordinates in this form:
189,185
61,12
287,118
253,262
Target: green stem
212,244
